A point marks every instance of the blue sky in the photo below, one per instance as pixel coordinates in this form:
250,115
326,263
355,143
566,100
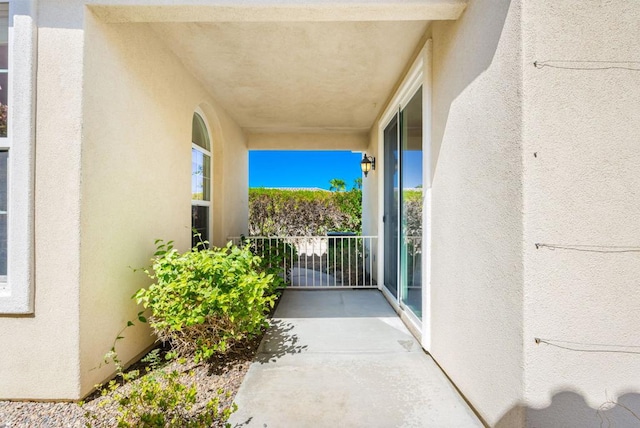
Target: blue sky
316,168
302,168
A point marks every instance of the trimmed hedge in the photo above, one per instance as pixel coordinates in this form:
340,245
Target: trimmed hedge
278,212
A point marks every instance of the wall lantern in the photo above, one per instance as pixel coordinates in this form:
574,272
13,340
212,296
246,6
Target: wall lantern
367,164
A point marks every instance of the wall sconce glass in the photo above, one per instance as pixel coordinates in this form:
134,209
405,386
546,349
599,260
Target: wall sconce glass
367,164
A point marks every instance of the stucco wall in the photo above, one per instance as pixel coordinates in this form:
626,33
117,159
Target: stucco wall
581,189
39,353
136,177
370,189
370,211
476,276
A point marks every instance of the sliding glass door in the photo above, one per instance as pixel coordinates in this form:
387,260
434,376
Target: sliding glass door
391,198
403,203
411,197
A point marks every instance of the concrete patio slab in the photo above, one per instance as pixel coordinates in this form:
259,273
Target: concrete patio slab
342,358
302,277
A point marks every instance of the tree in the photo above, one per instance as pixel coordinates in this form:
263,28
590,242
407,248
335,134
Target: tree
337,185
357,184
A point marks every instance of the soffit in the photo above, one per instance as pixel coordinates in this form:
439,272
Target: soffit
297,76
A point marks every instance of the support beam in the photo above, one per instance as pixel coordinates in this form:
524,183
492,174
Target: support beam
356,142
278,10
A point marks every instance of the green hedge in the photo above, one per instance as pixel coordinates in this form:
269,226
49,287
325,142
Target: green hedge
278,212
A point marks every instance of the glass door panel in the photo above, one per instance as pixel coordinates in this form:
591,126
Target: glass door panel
391,182
411,205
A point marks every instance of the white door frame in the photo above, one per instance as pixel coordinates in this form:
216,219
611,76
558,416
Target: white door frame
419,75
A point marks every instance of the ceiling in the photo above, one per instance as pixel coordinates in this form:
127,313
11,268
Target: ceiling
297,76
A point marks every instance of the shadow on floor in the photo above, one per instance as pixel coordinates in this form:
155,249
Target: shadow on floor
569,409
280,342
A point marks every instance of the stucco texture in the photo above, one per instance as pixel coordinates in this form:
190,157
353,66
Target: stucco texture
37,349
113,173
581,164
136,177
520,155
476,269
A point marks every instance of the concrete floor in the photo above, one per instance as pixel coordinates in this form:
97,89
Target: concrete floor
343,358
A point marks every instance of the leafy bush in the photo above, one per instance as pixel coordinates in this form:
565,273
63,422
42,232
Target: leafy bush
158,399
346,261
412,220
206,299
162,400
350,203
277,212
277,257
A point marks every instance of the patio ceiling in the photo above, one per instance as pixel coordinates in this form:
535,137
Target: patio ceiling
283,69
297,76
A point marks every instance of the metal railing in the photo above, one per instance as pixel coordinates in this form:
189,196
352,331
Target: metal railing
319,261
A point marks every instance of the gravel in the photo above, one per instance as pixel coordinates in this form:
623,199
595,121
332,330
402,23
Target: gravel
225,372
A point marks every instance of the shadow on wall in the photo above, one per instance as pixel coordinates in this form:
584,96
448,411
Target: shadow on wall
462,51
570,410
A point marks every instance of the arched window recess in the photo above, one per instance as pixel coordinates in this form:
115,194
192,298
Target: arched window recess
200,181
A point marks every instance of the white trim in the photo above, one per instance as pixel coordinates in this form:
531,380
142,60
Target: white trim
427,89
413,323
207,125
17,295
380,162
393,301
419,75
407,317
198,202
200,149
408,88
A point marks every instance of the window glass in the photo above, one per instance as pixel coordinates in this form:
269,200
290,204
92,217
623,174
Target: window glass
200,181
4,157
4,66
199,223
411,256
200,134
200,176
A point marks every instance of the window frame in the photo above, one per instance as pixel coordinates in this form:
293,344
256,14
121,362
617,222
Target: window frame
204,151
17,292
419,74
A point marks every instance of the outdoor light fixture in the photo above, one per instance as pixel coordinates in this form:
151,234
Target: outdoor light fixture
367,164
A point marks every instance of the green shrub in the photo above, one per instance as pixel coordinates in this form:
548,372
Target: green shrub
350,203
346,261
277,258
159,399
206,299
278,212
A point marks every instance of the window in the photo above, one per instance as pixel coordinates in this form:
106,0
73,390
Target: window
200,180
4,67
4,157
4,153
18,41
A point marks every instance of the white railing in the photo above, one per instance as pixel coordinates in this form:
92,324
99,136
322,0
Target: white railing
319,261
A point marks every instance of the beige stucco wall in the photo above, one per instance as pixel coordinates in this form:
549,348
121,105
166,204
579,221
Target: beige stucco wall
136,177
370,211
39,353
476,269
581,188
113,173
370,188
524,155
